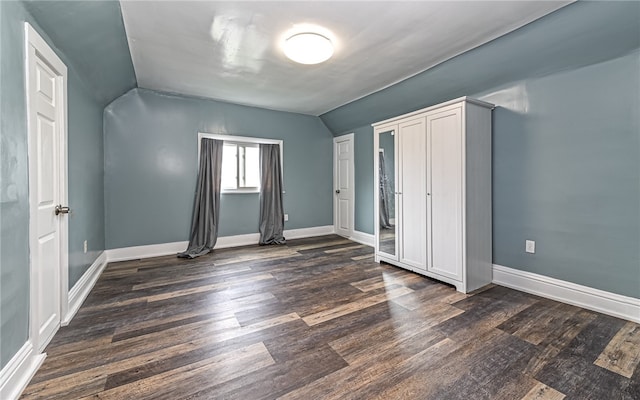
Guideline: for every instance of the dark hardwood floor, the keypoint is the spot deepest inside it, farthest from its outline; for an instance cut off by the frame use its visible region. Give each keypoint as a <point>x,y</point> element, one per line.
<point>319,319</point>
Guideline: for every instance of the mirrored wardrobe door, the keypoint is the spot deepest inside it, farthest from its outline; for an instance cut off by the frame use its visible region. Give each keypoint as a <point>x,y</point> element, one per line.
<point>387,193</point>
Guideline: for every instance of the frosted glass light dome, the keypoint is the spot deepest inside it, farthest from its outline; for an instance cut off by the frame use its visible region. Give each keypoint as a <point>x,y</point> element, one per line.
<point>308,48</point>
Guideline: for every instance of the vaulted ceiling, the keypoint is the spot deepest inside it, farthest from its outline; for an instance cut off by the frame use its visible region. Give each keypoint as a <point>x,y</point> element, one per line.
<point>230,51</point>
<point>92,36</point>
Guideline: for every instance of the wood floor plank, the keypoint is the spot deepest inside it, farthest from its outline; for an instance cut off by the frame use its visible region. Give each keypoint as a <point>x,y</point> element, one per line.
<point>535,333</point>
<point>499,362</point>
<point>224,309</point>
<point>110,273</point>
<point>543,392</point>
<point>207,288</point>
<point>564,334</point>
<point>483,316</point>
<point>320,245</point>
<point>460,373</point>
<point>386,280</point>
<point>370,343</point>
<point>622,354</point>
<point>579,378</point>
<point>343,249</point>
<point>250,256</point>
<point>339,311</point>
<point>309,338</point>
<point>139,350</point>
<point>318,318</point>
<point>105,360</point>
<point>171,280</point>
<point>76,346</point>
<point>381,345</point>
<point>262,325</point>
<point>193,377</point>
<point>181,321</point>
<point>362,257</point>
<point>67,389</point>
<point>115,304</point>
<point>593,339</point>
<point>508,385</point>
<point>387,332</point>
<point>69,338</point>
<point>277,379</point>
<point>353,382</point>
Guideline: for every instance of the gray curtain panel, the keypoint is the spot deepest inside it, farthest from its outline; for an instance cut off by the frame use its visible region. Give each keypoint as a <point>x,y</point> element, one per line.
<point>271,209</point>
<point>384,193</point>
<point>206,206</point>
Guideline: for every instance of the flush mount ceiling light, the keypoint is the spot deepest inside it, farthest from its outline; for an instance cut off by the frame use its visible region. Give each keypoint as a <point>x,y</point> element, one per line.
<point>308,48</point>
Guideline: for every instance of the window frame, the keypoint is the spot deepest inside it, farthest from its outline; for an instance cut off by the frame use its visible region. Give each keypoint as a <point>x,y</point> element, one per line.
<point>242,140</point>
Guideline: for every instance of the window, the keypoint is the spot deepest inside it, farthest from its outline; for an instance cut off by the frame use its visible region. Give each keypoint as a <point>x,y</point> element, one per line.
<point>240,166</point>
<point>240,161</point>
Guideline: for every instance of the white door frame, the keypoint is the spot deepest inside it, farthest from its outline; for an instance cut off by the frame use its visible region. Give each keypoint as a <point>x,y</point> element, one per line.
<point>348,137</point>
<point>35,46</point>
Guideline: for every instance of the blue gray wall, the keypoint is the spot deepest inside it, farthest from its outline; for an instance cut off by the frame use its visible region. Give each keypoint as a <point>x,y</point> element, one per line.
<point>566,141</point>
<point>364,179</point>
<point>151,166</point>
<point>14,195</point>
<point>92,34</point>
<point>566,173</point>
<point>85,179</point>
<point>577,35</point>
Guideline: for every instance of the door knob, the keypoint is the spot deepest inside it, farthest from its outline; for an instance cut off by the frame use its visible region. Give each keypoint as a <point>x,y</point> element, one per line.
<point>62,210</point>
<point>337,190</point>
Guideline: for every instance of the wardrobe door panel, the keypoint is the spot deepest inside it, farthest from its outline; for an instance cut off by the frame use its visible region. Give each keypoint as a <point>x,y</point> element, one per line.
<point>445,170</point>
<point>413,205</point>
<point>386,192</point>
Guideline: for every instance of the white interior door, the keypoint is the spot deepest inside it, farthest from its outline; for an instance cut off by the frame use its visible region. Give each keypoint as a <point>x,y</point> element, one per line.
<point>445,154</point>
<point>412,196</point>
<point>46,87</point>
<point>343,181</point>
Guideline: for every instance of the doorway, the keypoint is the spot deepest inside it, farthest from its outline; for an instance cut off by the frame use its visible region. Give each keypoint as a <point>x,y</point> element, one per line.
<point>46,90</point>
<point>343,182</point>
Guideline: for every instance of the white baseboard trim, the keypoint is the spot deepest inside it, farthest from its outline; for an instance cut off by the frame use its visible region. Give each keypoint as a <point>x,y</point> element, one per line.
<point>164,249</point>
<point>224,242</point>
<point>17,374</point>
<point>363,238</point>
<point>567,292</point>
<point>147,251</point>
<point>82,288</point>
<point>309,232</point>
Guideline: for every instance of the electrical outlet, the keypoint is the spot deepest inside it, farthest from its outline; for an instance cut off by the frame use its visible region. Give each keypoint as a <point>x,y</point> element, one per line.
<point>530,246</point>
<point>85,247</point>
<point>286,217</point>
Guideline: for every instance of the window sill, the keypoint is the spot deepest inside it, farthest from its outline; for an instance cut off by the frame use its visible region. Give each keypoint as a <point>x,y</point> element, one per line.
<point>240,192</point>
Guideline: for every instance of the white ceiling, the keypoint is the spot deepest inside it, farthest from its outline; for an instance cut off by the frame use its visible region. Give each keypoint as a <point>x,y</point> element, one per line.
<point>231,51</point>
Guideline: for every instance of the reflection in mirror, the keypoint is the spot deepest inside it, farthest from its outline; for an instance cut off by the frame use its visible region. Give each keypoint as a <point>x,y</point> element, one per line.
<point>387,218</point>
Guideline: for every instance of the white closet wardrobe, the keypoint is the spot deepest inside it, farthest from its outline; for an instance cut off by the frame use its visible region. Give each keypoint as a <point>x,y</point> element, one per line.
<point>433,192</point>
